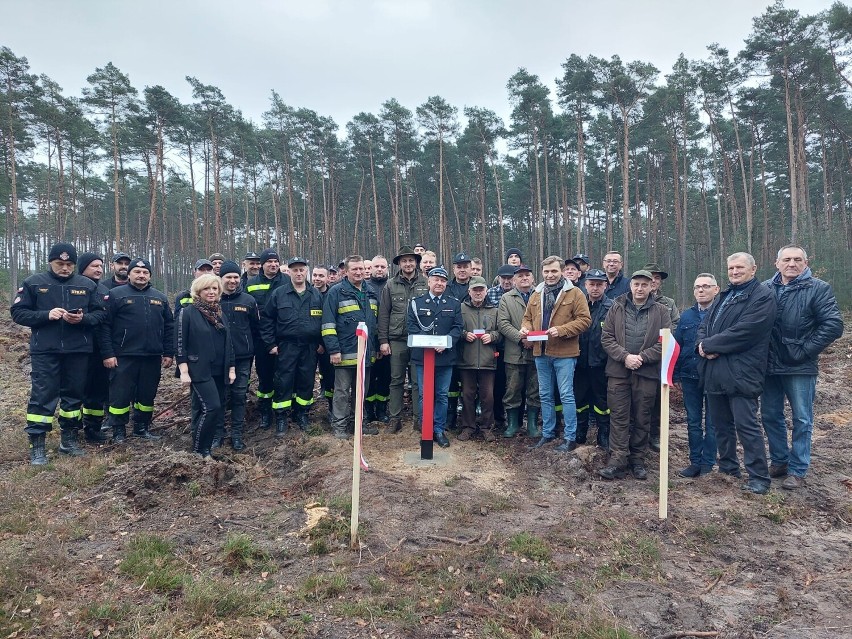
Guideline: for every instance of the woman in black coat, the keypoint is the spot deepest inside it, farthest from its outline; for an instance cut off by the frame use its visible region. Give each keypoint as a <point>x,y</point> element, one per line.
<point>205,357</point>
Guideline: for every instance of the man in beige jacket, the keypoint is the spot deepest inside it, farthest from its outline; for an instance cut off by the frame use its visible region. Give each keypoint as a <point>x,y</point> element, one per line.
<point>559,310</point>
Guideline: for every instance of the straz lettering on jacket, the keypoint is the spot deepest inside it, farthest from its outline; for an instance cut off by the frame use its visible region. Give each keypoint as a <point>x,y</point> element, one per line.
<point>77,291</point>
<point>241,309</point>
<point>156,302</point>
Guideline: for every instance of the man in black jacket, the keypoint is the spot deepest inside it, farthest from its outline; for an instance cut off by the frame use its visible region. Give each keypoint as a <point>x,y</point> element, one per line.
<point>243,320</point>
<point>617,284</point>
<point>808,321</point>
<point>61,309</point>
<point>120,267</point>
<point>136,340</point>
<point>261,287</point>
<point>733,342</point>
<point>96,395</point>
<point>590,378</point>
<point>290,327</point>
<point>436,313</point>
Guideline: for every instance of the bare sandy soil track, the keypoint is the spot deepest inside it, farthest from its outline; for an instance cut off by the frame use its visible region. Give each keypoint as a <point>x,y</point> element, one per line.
<point>145,540</point>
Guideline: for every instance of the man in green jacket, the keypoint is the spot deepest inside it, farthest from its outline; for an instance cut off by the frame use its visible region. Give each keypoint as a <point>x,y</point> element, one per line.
<point>521,376</point>
<point>477,359</point>
<point>396,297</point>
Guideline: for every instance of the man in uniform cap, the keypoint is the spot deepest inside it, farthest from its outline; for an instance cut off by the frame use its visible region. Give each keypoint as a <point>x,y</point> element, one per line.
<point>251,267</point>
<point>96,395</point>
<point>61,309</point>
<point>436,313</point>
<point>582,262</point>
<point>457,288</point>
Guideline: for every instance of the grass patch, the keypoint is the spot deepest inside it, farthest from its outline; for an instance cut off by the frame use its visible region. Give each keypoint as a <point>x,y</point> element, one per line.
<point>634,556</point>
<point>242,553</point>
<point>193,489</point>
<point>323,587</point>
<point>208,597</point>
<point>530,546</point>
<point>84,475</point>
<point>517,583</point>
<point>400,609</point>
<point>105,612</point>
<point>151,561</point>
<point>21,518</point>
<point>710,533</point>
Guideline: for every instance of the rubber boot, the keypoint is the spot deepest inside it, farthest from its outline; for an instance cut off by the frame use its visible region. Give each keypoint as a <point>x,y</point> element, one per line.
<point>280,423</point>
<point>265,406</point>
<point>533,429</point>
<point>140,431</point>
<point>369,411</point>
<point>582,427</point>
<point>237,437</point>
<point>603,432</point>
<point>452,415</point>
<point>68,443</point>
<point>92,432</point>
<point>513,422</point>
<point>382,412</point>
<point>38,454</point>
<point>118,434</point>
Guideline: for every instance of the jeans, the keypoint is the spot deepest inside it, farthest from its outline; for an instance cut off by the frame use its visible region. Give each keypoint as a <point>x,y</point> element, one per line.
<point>557,373</point>
<point>443,376</point>
<point>702,437</point>
<point>799,391</point>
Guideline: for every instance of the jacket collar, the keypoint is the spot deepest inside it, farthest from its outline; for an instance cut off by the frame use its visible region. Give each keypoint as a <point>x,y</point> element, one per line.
<point>801,279</point>
<point>566,286</point>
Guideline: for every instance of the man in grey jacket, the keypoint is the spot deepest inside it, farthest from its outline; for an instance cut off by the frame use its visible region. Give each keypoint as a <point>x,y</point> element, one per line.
<point>808,321</point>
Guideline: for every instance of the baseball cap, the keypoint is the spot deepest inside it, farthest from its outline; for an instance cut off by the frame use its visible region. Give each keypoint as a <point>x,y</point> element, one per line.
<point>640,273</point>
<point>477,282</point>
<point>596,274</point>
<point>203,262</point>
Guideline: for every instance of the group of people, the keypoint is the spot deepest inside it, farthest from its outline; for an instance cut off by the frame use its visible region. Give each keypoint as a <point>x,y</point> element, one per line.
<point>580,347</point>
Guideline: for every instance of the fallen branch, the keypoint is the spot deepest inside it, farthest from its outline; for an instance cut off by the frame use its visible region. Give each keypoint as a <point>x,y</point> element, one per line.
<point>455,540</point>
<point>680,634</point>
<point>168,408</point>
<point>713,583</point>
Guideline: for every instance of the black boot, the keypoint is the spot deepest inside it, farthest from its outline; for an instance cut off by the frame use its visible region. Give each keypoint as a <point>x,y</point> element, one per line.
<point>118,435</point>
<point>302,419</point>
<point>92,432</point>
<point>382,412</point>
<point>533,429</point>
<point>582,428</point>
<point>68,443</point>
<point>265,414</point>
<point>369,411</point>
<point>237,437</point>
<point>38,454</point>
<point>603,432</point>
<point>140,431</point>
<point>218,438</point>
<point>280,423</point>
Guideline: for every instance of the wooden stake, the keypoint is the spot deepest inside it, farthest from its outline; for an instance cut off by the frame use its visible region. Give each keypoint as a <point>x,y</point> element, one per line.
<point>664,437</point>
<point>356,449</point>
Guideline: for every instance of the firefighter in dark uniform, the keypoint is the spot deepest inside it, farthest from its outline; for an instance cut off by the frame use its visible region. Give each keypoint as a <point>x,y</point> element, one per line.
<point>251,267</point>
<point>137,339</point>
<point>244,321</point>
<point>321,280</point>
<point>61,309</point>
<point>436,313</point>
<point>376,405</point>
<point>120,266</point>
<point>96,395</point>
<point>290,328</point>
<point>183,298</point>
<point>457,288</point>
<point>590,376</point>
<point>347,303</point>
<point>260,288</point>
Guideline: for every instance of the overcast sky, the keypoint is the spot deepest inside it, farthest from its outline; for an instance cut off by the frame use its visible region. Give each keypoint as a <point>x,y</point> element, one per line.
<point>341,57</point>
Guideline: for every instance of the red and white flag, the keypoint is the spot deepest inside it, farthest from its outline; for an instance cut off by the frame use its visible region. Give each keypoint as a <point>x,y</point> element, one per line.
<point>671,350</point>
<point>362,333</point>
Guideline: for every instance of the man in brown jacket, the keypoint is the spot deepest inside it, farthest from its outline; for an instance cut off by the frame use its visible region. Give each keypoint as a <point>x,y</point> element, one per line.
<point>558,308</point>
<point>630,337</point>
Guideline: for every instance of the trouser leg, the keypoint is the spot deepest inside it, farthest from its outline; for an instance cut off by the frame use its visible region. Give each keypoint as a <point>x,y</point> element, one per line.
<point>485,386</point>
<point>597,379</point>
<point>210,395</point>
<point>265,365</point>
<point>400,359</point>
<point>96,394</point>
<point>44,393</point>
<point>643,390</point>
<point>122,390</point>
<point>236,393</point>
<point>72,385</point>
<point>619,397</point>
<point>469,387</point>
<point>750,434</point>
<point>499,390</point>
<point>719,408</point>
<point>583,400</point>
<point>303,385</point>
<point>147,383</point>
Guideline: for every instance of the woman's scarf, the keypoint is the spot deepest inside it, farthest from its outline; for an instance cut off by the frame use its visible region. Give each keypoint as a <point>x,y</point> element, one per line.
<point>211,312</point>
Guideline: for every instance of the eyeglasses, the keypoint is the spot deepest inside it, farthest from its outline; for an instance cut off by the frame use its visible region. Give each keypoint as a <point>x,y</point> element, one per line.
<point>612,261</point>
<point>703,287</point>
